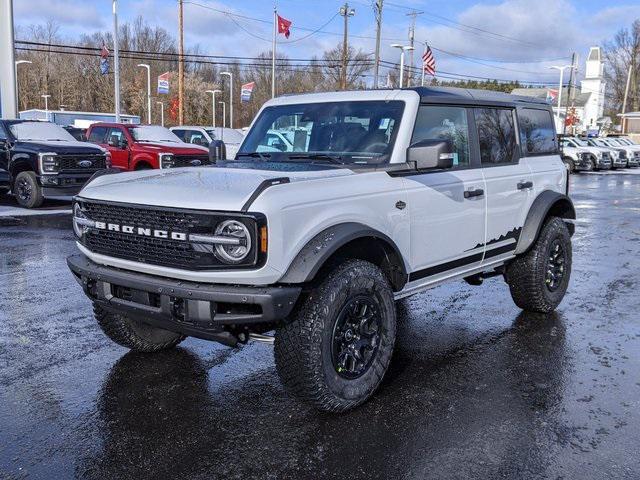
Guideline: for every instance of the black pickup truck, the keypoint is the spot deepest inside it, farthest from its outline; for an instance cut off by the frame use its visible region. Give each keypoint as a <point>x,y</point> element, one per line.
<point>41,159</point>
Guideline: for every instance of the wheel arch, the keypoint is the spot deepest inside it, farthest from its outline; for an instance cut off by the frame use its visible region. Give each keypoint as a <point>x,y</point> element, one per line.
<point>347,240</point>
<point>21,162</point>
<point>547,204</point>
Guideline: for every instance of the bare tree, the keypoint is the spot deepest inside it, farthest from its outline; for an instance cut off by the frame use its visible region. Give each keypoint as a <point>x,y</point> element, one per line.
<point>622,53</point>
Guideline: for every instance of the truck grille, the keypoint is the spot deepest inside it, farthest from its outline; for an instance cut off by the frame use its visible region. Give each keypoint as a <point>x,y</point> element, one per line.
<point>160,251</point>
<point>72,163</point>
<point>191,160</point>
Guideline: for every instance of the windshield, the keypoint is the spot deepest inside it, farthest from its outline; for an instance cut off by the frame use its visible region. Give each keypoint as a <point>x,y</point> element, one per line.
<point>339,132</point>
<point>599,143</point>
<point>579,142</point>
<point>153,133</point>
<point>40,131</point>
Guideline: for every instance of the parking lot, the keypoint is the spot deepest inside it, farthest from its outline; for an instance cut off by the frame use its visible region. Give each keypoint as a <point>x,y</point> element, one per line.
<point>476,389</point>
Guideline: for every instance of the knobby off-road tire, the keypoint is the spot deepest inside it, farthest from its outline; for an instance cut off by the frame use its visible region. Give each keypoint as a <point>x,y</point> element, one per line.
<point>27,191</point>
<point>306,348</point>
<point>538,280</point>
<point>135,335</point>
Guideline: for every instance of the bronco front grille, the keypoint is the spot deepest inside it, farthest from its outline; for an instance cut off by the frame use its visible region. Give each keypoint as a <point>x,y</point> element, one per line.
<point>81,163</point>
<point>181,254</point>
<point>191,160</point>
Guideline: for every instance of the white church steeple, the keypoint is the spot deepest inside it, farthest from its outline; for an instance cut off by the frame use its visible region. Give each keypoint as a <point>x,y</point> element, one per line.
<point>594,85</point>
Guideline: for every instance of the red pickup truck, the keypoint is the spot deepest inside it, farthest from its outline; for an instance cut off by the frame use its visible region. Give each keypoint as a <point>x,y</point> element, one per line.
<point>141,147</point>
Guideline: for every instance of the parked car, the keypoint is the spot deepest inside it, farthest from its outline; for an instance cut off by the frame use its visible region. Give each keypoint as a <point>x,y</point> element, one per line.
<point>144,147</point>
<point>204,136</point>
<point>395,192</point>
<point>631,154</point>
<point>576,159</point>
<point>39,160</point>
<point>618,157</point>
<point>600,157</point>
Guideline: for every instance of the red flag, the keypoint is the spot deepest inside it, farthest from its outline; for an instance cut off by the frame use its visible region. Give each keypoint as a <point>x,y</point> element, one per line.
<point>283,26</point>
<point>104,53</point>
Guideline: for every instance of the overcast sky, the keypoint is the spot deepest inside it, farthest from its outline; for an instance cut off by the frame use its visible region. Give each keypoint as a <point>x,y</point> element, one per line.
<point>517,33</point>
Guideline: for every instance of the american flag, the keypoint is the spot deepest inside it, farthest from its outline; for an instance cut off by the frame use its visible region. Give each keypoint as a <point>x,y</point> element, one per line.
<point>428,61</point>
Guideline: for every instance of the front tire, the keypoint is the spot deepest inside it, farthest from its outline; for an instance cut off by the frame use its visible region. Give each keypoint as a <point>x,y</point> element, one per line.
<point>336,349</point>
<point>27,191</point>
<point>538,279</point>
<point>133,334</point>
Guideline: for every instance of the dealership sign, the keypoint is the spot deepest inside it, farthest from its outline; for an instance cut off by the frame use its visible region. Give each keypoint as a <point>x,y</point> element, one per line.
<point>163,83</point>
<point>245,91</point>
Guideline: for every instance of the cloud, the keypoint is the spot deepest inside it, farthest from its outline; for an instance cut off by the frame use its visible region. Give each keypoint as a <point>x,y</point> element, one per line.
<point>67,13</point>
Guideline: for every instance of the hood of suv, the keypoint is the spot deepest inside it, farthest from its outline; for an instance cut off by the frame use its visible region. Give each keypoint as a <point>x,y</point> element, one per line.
<point>61,148</point>
<point>200,188</point>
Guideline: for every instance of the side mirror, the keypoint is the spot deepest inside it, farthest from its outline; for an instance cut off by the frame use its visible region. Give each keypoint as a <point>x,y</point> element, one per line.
<point>430,154</point>
<point>217,151</point>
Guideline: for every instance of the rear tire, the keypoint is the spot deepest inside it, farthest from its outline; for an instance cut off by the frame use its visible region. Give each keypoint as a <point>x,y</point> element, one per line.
<point>133,334</point>
<point>27,191</point>
<point>538,279</point>
<point>336,349</point>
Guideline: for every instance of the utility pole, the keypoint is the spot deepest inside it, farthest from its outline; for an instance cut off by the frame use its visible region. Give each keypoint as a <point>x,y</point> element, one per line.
<point>412,33</point>
<point>571,92</point>
<point>377,7</point>
<point>8,96</point>
<point>116,61</point>
<point>180,63</point>
<point>626,95</point>
<point>148,68</point>
<point>346,12</point>
<point>161,112</point>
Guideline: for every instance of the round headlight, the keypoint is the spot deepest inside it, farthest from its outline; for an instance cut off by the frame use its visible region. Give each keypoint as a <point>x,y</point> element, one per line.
<point>234,230</point>
<point>78,229</point>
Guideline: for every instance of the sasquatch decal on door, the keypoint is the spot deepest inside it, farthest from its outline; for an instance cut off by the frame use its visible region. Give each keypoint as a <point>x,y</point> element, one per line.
<point>513,234</point>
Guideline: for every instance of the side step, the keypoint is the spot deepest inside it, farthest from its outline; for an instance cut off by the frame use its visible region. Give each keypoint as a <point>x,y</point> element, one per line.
<point>478,278</point>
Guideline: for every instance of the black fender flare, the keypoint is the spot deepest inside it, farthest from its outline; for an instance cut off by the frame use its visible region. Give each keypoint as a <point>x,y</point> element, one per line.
<point>320,248</point>
<point>544,204</point>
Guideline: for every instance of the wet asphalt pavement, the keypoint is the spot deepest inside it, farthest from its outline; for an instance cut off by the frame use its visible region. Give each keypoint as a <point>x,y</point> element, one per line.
<point>477,389</point>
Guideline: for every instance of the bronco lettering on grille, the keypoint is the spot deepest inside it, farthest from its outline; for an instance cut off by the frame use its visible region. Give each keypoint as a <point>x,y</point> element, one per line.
<point>145,232</point>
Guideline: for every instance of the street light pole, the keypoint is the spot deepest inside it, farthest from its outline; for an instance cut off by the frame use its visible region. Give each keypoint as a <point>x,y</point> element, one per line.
<point>213,105</point>
<point>378,10</point>
<point>20,62</point>
<point>561,68</point>
<point>230,75</point>
<point>161,112</point>
<point>46,106</point>
<point>224,121</point>
<point>346,12</point>
<point>403,48</point>
<point>144,65</point>
<point>116,60</point>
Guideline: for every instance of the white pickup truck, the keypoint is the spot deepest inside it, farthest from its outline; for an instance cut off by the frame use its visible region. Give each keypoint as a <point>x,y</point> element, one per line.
<point>380,195</point>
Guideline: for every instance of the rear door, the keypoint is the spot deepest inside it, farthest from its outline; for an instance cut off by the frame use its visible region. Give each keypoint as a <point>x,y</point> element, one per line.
<point>447,207</point>
<point>509,187</point>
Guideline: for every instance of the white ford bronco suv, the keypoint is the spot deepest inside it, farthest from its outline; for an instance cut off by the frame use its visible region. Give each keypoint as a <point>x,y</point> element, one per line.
<point>380,195</point>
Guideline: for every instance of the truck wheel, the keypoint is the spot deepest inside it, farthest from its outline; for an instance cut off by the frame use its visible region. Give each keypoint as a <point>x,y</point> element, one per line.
<point>568,163</point>
<point>133,334</point>
<point>336,350</point>
<point>539,278</point>
<point>27,191</point>
<point>594,166</point>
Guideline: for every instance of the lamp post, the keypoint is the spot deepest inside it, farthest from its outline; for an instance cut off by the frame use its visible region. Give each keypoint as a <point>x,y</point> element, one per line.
<point>144,65</point>
<point>116,61</point>
<point>561,68</point>
<point>46,106</point>
<point>230,75</point>
<point>161,112</point>
<point>19,62</point>
<point>403,48</point>
<point>213,105</point>
<point>224,122</point>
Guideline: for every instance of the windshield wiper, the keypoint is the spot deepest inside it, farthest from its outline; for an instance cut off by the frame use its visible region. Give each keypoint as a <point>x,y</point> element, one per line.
<point>262,156</point>
<point>318,156</point>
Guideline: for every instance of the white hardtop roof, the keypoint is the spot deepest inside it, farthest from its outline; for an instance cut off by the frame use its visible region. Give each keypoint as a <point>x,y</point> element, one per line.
<point>356,95</point>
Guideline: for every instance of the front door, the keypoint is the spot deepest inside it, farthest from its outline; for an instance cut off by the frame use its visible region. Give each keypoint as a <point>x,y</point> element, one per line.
<point>509,186</point>
<point>117,144</point>
<point>447,208</point>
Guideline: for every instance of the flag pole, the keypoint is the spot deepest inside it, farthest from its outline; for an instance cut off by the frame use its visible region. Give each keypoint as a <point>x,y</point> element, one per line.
<point>273,52</point>
<point>425,51</point>
<point>116,61</point>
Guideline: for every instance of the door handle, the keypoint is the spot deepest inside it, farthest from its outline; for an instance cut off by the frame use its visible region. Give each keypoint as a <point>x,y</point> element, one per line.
<point>524,185</point>
<point>478,192</point>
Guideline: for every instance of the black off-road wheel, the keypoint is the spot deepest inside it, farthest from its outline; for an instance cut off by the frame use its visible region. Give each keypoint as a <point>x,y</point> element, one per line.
<point>27,191</point>
<point>538,279</point>
<point>337,346</point>
<point>133,334</point>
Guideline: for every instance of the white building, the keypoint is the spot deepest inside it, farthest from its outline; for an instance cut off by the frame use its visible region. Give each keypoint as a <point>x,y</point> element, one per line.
<point>588,101</point>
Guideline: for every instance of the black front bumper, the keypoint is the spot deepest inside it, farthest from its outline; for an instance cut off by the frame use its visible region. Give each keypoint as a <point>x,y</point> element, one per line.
<point>63,184</point>
<point>194,309</point>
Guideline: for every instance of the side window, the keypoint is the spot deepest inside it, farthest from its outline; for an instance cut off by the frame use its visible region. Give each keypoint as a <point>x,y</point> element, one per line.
<point>537,131</point>
<point>97,135</point>
<point>180,134</point>
<point>497,135</point>
<point>115,136</point>
<point>444,123</point>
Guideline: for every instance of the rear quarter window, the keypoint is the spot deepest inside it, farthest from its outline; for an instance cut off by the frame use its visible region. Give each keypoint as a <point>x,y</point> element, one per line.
<point>537,132</point>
